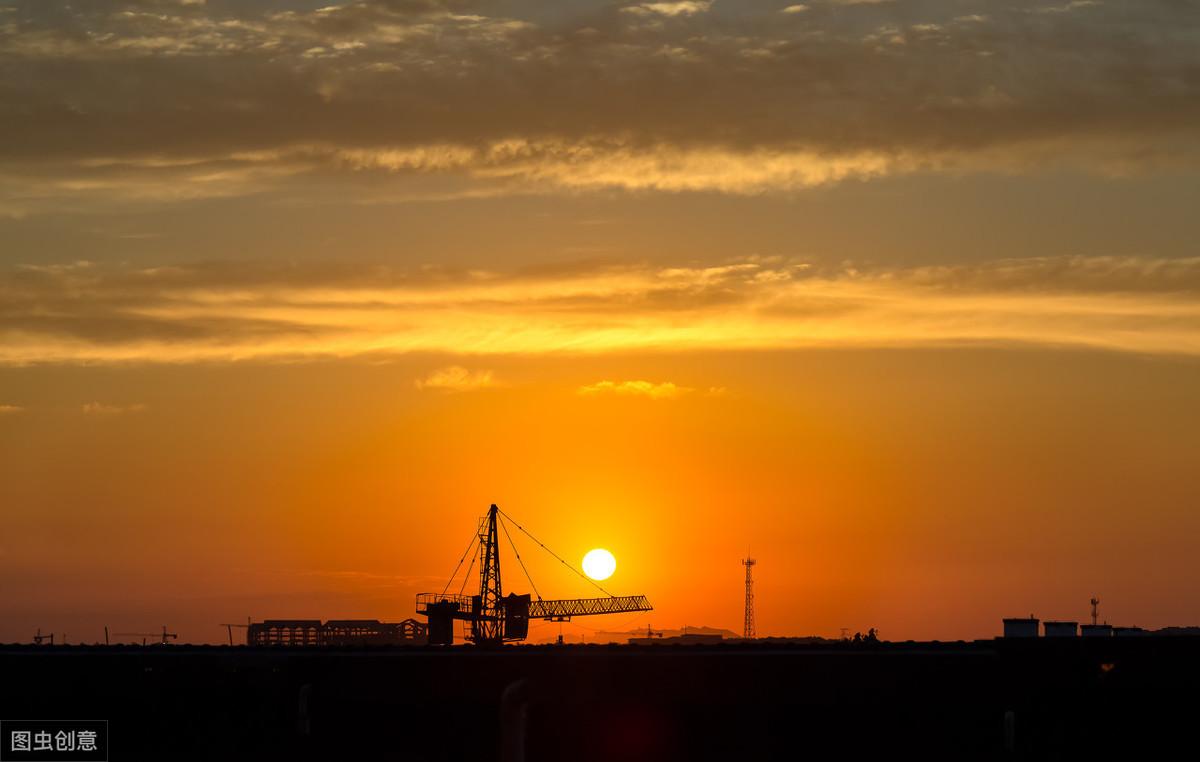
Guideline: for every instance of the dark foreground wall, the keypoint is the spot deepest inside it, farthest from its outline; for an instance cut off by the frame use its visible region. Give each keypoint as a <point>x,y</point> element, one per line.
<point>1069,699</point>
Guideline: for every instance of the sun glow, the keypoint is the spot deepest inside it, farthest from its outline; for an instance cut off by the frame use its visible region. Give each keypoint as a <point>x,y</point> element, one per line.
<point>599,564</point>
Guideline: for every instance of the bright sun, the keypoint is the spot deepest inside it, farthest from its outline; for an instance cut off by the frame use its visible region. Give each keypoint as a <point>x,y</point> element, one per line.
<point>599,564</point>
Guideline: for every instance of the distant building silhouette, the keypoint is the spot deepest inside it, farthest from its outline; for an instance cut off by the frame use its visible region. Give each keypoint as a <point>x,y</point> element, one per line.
<point>1096,630</point>
<point>1027,627</point>
<point>1128,632</point>
<point>686,639</point>
<point>1024,627</point>
<point>336,632</point>
<point>1061,629</point>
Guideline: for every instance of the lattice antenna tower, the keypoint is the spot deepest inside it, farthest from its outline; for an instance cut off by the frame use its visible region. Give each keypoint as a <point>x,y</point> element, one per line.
<point>748,626</point>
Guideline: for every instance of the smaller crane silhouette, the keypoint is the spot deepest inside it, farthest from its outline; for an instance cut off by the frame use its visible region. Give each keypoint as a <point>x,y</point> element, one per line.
<point>143,635</point>
<point>230,627</point>
<point>40,638</point>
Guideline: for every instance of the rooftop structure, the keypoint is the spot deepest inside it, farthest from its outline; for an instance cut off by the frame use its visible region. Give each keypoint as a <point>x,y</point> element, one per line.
<point>1061,629</point>
<point>1025,627</point>
<point>1096,630</point>
<point>1128,632</point>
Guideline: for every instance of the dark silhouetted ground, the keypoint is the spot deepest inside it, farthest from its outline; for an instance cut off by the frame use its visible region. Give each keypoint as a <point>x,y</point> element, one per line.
<point>1044,699</point>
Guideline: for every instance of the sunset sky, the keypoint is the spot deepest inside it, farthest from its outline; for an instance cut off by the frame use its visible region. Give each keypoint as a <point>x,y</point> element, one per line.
<point>901,295</point>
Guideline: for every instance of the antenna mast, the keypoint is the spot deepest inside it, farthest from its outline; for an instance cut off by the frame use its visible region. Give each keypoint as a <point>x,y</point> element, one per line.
<point>1095,609</point>
<point>748,626</point>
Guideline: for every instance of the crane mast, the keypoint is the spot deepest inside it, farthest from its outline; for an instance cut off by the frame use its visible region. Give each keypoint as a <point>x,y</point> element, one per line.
<point>486,626</point>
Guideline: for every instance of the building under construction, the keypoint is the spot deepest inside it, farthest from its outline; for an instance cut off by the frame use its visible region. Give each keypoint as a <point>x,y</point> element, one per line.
<point>336,632</point>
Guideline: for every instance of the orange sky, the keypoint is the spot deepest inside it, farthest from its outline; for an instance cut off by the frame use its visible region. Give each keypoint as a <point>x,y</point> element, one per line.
<point>927,493</point>
<point>903,296</point>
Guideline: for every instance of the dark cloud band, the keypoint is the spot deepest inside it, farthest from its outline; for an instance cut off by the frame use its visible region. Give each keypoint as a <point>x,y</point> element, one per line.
<point>913,81</point>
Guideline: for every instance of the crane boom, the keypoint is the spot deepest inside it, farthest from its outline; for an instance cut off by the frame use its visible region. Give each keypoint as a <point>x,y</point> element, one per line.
<point>571,607</point>
<point>541,609</point>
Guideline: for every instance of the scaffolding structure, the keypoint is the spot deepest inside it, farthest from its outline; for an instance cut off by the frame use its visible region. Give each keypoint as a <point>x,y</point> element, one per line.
<point>336,632</point>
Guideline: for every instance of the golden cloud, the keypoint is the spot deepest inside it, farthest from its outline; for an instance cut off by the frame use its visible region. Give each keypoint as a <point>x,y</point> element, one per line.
<point>93,314</point>
<point>676,8</point>
<point>456,379</point>
<point>664,390</point>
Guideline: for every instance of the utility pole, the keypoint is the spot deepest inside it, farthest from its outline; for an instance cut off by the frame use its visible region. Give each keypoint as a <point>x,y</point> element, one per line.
<point>748,626</point>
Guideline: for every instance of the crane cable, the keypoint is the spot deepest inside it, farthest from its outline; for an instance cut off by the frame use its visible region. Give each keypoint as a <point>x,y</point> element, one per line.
<point>474,542</point>
<point>517,553</point>
<point>466,577</point>
<point>551,552</point>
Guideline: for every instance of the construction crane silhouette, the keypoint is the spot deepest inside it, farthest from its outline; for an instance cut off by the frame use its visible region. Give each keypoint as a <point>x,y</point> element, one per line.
<point>164,635</point>
<point>40,638</point>
<point>230,627</point>
<point>494,617</point>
